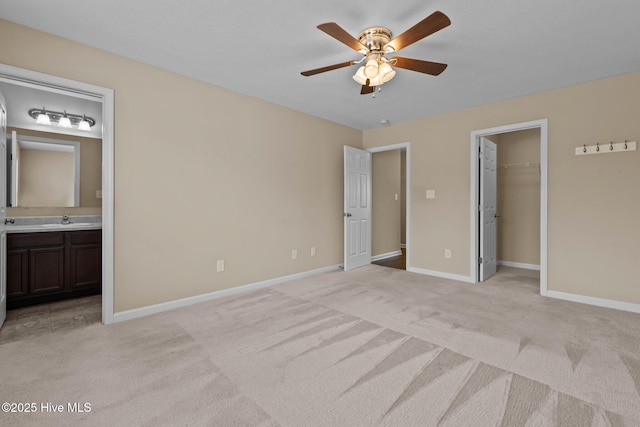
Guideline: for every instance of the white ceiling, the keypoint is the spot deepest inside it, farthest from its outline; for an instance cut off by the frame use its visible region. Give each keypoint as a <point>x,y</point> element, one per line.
<point>496,49</point>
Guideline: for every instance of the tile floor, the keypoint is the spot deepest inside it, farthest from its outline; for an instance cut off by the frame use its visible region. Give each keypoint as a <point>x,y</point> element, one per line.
<point>38,320</point>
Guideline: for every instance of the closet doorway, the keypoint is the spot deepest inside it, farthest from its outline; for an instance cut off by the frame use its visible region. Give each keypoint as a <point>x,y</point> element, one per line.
<point>520,227</point>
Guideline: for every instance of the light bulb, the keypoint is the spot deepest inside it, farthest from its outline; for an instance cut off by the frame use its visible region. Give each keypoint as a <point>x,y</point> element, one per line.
<point>84,124</point>
<point>43,118</point>
<point>371,67</point>
<point>376,81</point>
<point>64,121</point>
<point>386,72</point>
<point>360,77</point>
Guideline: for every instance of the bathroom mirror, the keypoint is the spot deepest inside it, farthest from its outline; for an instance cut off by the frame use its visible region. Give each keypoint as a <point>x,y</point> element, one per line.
<point>43,172</point>
<point>46,171</point>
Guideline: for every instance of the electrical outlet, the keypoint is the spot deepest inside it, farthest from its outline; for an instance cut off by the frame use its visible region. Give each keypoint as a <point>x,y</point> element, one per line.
<point>220,265</point>
<point>447,253</point>
<point>313,251</point>
<point>98,194</point>
<point>294,254</point>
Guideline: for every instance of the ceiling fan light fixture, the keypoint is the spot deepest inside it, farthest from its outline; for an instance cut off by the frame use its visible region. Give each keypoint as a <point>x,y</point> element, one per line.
<point>374,43</point>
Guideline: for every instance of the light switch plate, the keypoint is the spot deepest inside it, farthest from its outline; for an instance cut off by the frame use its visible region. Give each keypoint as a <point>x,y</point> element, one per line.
<point>220,265</point>
<point>431,194</point>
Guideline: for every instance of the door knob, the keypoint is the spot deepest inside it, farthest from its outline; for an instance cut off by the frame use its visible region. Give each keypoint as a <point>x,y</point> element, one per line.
<point>346,214</point>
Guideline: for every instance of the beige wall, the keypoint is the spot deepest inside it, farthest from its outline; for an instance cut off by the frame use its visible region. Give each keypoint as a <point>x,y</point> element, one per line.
<point>519,197</point>
<point>385,215</point>
<point>589,252</point>
<point>226,177</point>
<point>90,176</point>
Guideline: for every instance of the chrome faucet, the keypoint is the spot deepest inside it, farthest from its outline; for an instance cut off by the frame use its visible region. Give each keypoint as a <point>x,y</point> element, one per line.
<point>65,219</point>
<point>9,221</point>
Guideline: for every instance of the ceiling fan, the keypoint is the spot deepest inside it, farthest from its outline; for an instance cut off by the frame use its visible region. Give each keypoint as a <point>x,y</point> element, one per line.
<point>375,43</point>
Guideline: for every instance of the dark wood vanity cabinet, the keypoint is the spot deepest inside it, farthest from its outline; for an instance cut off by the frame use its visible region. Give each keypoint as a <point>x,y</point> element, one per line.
<point>43,267</point>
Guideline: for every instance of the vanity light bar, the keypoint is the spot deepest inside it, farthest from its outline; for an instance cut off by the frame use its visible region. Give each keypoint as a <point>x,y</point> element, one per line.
<point>55,116</point>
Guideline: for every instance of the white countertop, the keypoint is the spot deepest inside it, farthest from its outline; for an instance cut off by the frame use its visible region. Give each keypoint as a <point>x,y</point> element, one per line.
<point>43,224</point>
<point>43,228</point>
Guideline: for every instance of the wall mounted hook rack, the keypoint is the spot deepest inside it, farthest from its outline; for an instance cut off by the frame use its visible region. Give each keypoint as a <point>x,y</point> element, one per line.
<point>610,147</point>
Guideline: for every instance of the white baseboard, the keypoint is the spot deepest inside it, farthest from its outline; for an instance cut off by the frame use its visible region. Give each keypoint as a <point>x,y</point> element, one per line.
<point>600,302</point>
<point>158,308</point>
<point>520,265</point>
<point>385,256</point>
<point>403,245</point>
<point>441,274</point>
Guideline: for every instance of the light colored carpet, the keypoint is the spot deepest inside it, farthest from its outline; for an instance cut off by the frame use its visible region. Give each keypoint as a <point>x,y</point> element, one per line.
<point>375,346</point>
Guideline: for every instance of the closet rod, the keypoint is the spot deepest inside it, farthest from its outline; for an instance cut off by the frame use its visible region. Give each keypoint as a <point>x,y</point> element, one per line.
<point>519,165</point>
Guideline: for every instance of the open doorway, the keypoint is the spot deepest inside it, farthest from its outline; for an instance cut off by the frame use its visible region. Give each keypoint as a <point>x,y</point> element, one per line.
<point>518,201</point>
<point>390,223</point>
<point>523,163</point>
<point>63,87</point>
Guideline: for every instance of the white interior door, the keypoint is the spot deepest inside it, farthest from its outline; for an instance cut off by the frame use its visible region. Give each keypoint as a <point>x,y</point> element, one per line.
<point>3,210</point>
<point>487,208</point>
<point>357,208</point>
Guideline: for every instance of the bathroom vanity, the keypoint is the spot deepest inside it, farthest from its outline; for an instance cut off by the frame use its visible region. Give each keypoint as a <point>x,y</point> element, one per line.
<point>53,261</point>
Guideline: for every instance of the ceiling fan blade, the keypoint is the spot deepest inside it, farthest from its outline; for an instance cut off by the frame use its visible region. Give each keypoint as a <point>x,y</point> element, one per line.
<point>427,67</point>
<point>325,69</point>
<point>429,25</point>
<point>366,89</point>
<point>338,33</point>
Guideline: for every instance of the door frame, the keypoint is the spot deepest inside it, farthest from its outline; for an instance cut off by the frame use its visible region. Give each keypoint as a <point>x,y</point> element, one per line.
<point>60,85</point>
<point>543,125</point>
<point>407,196</point>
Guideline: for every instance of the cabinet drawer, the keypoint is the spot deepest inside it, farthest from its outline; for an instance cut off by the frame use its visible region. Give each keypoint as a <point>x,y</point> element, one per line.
<point>27,240</point>
<point>86,236</point>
